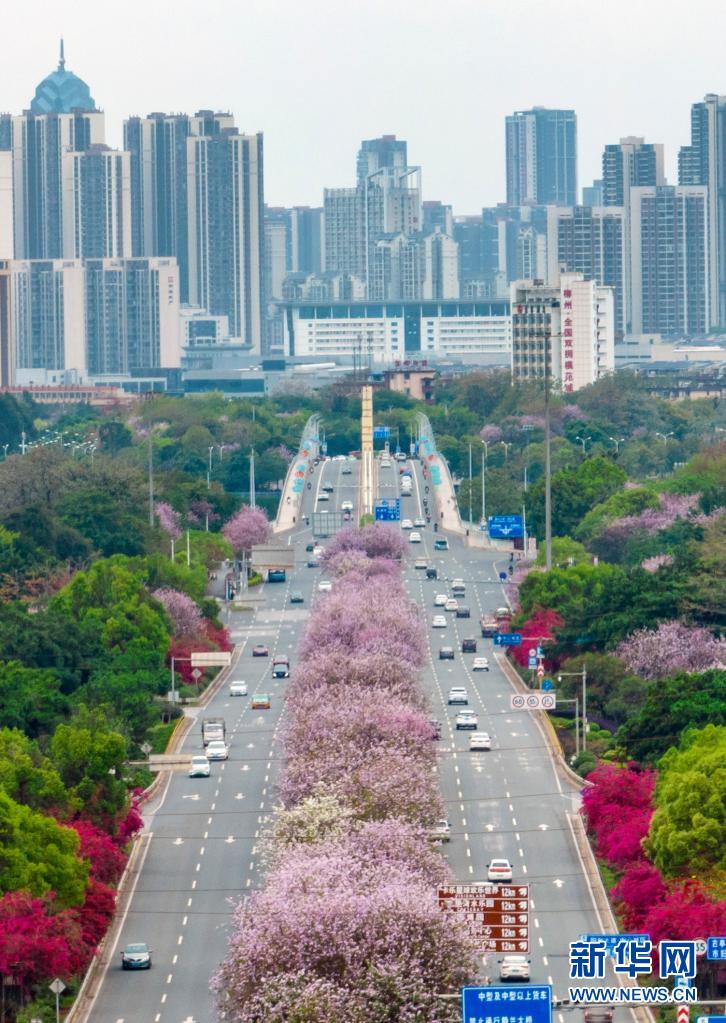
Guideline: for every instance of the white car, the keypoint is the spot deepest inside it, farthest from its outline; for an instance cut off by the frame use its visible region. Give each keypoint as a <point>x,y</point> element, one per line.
<point>325,586</point>
<point>438,622</point>
<point>419,523</point>
<point>414,538</point>
<point>480,664</point>
<point>457,694</point>
<point>406,524</point>
<point>440,831</point>
<point>217,749</point>
<point>480,741</point>
<point>514,968</point>
<point>467,719</point>
<point>499,870</point>
<point>421,563</point>
<point>451,604</point>
<point>440,600</point>
<point>238,689</point>
<point>322,496</point>
<point>199,767</point>
<point>346,506</point>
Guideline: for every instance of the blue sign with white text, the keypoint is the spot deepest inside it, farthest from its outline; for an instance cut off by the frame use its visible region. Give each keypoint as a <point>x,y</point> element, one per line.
<point>716,948</point>
<point>611,940</point>
<point>498,1002</point>
<point>381,432</point>
<point>507,639</point>
<point>506,527</point>
<point>387,510</point>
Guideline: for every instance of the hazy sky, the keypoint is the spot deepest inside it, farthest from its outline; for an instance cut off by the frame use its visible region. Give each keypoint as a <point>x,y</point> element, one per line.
<point>317,76</point>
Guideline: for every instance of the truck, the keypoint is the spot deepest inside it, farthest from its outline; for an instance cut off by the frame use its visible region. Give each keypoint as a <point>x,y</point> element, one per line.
<point>488,625</point>
<point>213,728</point>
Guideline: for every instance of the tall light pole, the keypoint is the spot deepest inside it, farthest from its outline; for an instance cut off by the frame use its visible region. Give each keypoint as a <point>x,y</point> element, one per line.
<point>506,445</point>
<point>583,675</point>
<point>151,483</point>
<point>471,516</point>
<point>252,478</point>
<point>617,441</point>
<point>664,436</point>
<point>548,456</point>
<point>209,467</point>
<point>583,441</point>
<point>484,460</point>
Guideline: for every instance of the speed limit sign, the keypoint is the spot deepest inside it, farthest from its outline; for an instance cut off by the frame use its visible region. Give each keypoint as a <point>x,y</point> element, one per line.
<point>517,702</point>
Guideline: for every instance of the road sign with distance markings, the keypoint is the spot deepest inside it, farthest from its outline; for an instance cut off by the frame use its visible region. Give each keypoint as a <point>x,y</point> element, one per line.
<point>497,915</point>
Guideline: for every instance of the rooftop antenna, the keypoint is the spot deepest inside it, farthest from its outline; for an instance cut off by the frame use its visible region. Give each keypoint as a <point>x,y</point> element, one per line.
<point>62,61</point>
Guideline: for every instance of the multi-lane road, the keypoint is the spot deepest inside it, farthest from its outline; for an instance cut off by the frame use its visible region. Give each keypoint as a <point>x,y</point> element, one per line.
<point>201,839</point>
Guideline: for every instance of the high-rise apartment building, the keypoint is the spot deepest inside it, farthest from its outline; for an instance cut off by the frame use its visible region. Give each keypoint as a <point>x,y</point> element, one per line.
<point>592,194</point>
<point>440,266</point>
<point>703,162</point>
<point>225,195</point>
<point>7,360</point>
<point>437,216</point>
<point>563,330</point>
<point>96,192</point>
<point>541,147</point>
<point>47,314</point>
<point>158,148</point>
<point>386,151</point>
<point>345,239</point>
<point>669,254</point>
<point>307,239</point>
<point>6,132</point>
<point>478,240</point>
<point>591,241</point>
<point>632,162</point>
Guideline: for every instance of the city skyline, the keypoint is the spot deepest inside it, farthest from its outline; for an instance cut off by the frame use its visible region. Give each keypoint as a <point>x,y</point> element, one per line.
<point>462,156</point>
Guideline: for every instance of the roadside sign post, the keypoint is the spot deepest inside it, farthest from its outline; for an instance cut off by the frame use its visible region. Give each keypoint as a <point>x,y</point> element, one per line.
<point>497,915</point>
<point>507,639</point>
<point>499,1001</point>
<point>533,701</point>
<point>506,527</point>
<point>57,987</point>
<point>387,510</point>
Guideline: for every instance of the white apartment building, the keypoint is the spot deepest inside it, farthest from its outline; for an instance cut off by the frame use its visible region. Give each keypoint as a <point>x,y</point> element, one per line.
<point>570,323</point>
<point>373,332</point>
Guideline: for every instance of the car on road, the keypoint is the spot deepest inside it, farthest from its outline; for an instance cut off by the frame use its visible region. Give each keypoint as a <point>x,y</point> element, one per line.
<point>237,688</point>
<point>463,612</point>
<point>451,604</point>
<point>441,544</point>
<point>296,597</point>
<point>217,749</point>
<point>480,664</point>
<point>328,488</point>
<point>325,586</point>
<point>136,956</point>
<point>318,550</point>
<point>309,547</point>
<point>503,614</point>
<point>419,523</point>
<point>346,470</point>
<point>432,573</point>
<point>312,563</point>
<point>479,741</point>
<point>446,653</point>
<point>414,537</point>
<point>467,719</point>
<point>457,694</point>
<point>406,524</point>
<point>440,831</point>
<point>438,622</point>
<point>346,506</point>
<point>499,870</point>
<point>199,767</point>
<point>260,701</point>
<point>420,563</point>
<point>280,667</point>
<point>260,650</point>
<point>514,968</point>
<point>440,600</point>
<point>458,587</point>
<point>468,646</point>
<point>323,496</point>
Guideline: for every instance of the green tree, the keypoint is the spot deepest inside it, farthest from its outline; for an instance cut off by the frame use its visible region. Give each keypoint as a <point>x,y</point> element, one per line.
<point>703,598</point>
<point>38,855</point>
<point>565,551</point>
<point>688,830</point>
<point>673,706</point>
<point>90,760</point>
<point>125,697</point>
<point>574,493</point>
<point>28,777</point>
<point>30,699</point>
<point>114,436</point>
<point>618,505</point>
<point>113,524</point>
<point>613,693</point>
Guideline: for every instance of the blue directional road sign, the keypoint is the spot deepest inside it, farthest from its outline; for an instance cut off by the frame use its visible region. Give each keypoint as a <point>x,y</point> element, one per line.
<point>611,940</point>
<point>507,638</point>
<point>532,662</point>
<point>547,685</point>
<point>716,948</point>
<point>497,1001</point>
<point>387,510</point>
<point>505,527</point>
<point>381,432</point>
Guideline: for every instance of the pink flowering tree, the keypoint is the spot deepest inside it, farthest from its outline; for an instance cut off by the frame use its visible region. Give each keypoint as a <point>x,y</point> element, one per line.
<point>375,541</point>
<point>332,672</point>
<point>618,809</point>
<point>249,526</point>
<point>672,647</point>
<point>491,434</point>
<point>184,614</point>
<point>169,520</point>
<point>656,562</point>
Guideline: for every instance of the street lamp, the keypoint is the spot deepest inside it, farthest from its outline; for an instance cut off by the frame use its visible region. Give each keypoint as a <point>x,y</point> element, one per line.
<point>617,441</point>
<point>583,441</point>
<point>484,460</point>
<point>209,469</point>
<point>5,450</point>
<point>665,436</point>
<point>583,675</point>
<point>507,445</point>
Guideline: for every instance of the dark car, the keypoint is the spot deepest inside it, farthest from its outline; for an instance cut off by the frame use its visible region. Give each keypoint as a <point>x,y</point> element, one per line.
<point>468,646</point>
<point>463,612</point>
<point>296,597</point>
<point>432,573</point>
<point>281,667</point>
<point>309,547</point>
<point>328,488</point>
<point>446,653</point>
<point>136,957</point>
<point>312,563</point>
<point>260,650</point>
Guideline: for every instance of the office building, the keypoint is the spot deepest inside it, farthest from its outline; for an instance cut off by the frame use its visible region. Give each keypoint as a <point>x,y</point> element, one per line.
<point>563,330</point>
<point>345,247</point>
<point>478,240</point>
<point>225,194</point>
<point>197,327</point>
<point>591,241</point>
<point>440,266</point>
<point>157,145</point>
<point>374,154</point>
<point>703,162</point>
<point>47,315</point>
<point>669,257</point>
<point>7,360</point>
<point>96,191</point>
<point>541,148</point>
<point>131,314</point>
<point>370,333</point>
<point>633,162</point>
<point>307,239</point>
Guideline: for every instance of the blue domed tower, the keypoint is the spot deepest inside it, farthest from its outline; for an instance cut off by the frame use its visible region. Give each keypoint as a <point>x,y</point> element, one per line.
<point>61,92</point>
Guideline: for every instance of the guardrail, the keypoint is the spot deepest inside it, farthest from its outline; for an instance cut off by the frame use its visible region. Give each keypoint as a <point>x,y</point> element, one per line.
<point>288,510</point>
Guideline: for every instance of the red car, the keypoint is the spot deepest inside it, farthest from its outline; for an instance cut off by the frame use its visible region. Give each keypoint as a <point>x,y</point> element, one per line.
<point>260,650</point>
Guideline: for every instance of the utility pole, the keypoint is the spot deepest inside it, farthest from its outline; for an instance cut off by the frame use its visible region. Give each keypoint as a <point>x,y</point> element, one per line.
<point>151,483</point>
<point>209,467</point>
<point>471,519</point>
<point>484,484</point>
<point>252,478</point>
<point>189,553</point>
<point>548,460</point>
